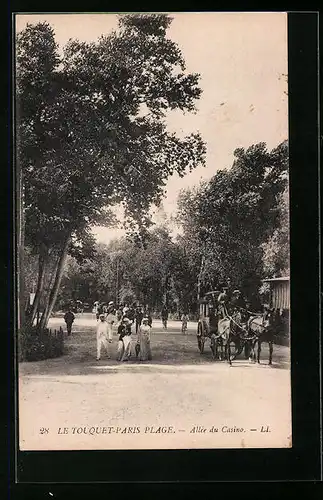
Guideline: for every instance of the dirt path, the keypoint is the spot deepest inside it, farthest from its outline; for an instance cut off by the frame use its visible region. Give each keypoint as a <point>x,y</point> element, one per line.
<point>165,403</point>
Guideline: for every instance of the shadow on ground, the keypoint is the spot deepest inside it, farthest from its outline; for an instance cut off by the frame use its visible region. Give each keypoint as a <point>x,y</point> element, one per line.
<point>171,352</point>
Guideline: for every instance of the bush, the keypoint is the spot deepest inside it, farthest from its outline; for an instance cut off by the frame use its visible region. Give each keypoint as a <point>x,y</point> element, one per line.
<point>35,344</point>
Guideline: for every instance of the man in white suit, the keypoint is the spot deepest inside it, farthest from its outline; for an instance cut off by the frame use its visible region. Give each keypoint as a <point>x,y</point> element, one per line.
<point>103,336</point>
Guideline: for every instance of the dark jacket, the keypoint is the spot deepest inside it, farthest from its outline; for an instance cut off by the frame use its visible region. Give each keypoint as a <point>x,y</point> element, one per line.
<point>69,317</point>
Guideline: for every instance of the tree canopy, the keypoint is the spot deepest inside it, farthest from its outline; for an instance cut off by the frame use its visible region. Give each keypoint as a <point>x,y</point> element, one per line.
<point>91,128</point>
<point>231,217</point>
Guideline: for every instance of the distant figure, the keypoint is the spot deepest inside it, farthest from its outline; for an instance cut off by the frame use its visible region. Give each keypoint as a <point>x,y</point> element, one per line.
<point>99,310</point>
<point>144,341</point>
<point>130,313</point>
<point>125,309</point>
<point>103,336</point>
<point>138,317</point>
<point>69,319</point>
<point>164,316</point>
<point>184,319</point>
<point>110,319</point>
<point>148,315</point>
<point>110,307</point>
<point>119,315</point>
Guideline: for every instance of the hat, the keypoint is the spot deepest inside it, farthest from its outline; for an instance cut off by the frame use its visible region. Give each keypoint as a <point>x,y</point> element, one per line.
<point>145,318</point>
<point>102,316</point>
<point>126,321</point>
<point>111,303</point>
<point>236,291</point>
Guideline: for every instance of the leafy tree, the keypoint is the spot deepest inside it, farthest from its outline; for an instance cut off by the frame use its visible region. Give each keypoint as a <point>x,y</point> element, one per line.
<point>276,248</point>
<point>227,219</point>
<point>84,140</point>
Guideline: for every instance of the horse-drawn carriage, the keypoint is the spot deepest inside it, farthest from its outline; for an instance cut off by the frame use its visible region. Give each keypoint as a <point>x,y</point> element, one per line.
<point>234,331</point>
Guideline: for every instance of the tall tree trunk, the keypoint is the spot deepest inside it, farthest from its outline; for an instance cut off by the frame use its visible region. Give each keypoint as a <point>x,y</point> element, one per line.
<point>42,259</point>
<point>58,277</point>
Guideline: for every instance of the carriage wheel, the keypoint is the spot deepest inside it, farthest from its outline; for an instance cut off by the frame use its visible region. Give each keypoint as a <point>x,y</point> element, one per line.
<point>200,339</point>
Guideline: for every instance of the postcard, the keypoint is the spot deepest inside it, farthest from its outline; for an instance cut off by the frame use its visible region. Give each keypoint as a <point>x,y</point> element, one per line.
<point>153,231</point>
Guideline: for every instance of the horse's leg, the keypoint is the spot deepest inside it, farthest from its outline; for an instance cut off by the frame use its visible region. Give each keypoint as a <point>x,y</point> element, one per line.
<point>251,351</point>
<point>229,352</point>
<point>259,351</point>
<point>271,348</point>
<point>212,345</point>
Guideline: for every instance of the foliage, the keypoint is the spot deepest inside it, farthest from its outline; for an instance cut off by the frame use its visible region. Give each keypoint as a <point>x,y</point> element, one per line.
<point>229,218</point>
<point>35,344</point>
<point>91,132</point>
<point>276,248</point>
<point>153,271</point>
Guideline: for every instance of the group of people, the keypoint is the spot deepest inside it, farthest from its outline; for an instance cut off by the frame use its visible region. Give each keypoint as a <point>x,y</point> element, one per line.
<point>124,318</point>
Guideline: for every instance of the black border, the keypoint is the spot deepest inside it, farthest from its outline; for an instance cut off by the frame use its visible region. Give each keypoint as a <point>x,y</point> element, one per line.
<point>302,462</point>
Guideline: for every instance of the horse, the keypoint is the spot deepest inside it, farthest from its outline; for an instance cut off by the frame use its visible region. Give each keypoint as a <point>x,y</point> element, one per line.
<point>261,329</point>
<point>234,330</point>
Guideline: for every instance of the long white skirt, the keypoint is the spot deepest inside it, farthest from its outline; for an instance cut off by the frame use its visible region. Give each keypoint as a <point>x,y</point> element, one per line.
<point>124,348</point>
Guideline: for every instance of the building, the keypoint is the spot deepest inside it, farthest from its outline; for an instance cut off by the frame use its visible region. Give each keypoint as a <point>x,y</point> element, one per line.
<point>279,292</point>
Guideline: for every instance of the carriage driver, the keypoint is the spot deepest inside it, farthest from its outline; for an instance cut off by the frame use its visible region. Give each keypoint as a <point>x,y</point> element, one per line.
<point>238,303</point>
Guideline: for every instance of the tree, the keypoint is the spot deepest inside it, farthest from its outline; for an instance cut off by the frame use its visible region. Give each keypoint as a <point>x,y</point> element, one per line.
<point>84,140</point>
<point>227,219</point>
<point>276,248</point>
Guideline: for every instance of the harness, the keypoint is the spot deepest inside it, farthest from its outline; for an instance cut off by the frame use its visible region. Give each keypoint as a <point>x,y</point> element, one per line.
<point>261,326</point>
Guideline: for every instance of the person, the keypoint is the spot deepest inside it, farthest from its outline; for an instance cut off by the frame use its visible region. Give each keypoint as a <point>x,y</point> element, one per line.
<point>164,316</point>
<point>223,299</point>
<point>69,319</point>
<point>130,313</point>
<point>119,314</point>
<point>237,302</point>
<point>111,318</point>
<point>99,310</point>
<point>125,309</point>
<point>144,341</point>
<point>138,317</point>
<point>103,336</point>
<point>148,315</point>
<point>184,319</point>
<point>110,307</point>
<point>124,343</point>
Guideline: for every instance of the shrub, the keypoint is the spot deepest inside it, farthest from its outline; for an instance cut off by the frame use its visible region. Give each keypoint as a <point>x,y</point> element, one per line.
<point>35,344</point>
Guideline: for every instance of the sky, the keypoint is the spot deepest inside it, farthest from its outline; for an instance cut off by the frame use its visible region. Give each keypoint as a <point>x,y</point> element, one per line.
<point>241,58</point>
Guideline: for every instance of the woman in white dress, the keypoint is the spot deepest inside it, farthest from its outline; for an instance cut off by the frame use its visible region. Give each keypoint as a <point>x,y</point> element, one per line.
<point>144,340</point>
